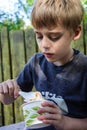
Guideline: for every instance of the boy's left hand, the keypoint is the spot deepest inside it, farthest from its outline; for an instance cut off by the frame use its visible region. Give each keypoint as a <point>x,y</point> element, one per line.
<point>53,115</point>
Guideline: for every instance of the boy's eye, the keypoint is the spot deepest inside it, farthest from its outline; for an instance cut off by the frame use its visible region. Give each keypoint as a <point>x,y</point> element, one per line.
<point>55,38</point>
<point>39,37</point>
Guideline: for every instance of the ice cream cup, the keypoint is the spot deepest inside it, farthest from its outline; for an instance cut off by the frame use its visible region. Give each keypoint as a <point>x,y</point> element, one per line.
<point>30,114</point>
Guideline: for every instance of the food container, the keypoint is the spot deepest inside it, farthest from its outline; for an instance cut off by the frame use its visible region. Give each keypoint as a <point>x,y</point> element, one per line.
<point>30,114</point>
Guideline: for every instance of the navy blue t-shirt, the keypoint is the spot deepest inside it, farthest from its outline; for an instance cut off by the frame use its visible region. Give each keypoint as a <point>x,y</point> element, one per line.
<point>66,85</point>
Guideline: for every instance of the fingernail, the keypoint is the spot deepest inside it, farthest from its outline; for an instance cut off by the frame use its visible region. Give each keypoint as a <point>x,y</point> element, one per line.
<point>15,96</point>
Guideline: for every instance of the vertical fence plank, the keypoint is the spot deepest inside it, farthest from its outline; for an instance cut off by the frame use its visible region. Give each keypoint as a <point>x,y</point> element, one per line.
<point>18,61</point>
<point>11,72</point>
<point>7,71</point>
<point>30,43</point>
<point>1,79</point>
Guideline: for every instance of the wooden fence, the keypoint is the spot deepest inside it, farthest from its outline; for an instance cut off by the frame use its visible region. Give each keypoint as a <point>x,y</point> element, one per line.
<point>16,47</point>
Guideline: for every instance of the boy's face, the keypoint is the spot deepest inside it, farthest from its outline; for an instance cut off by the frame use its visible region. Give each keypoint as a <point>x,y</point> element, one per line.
<point>54,43</point>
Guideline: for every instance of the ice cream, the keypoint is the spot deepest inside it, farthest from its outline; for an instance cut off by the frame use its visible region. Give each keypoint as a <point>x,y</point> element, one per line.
<point>36,96</point>
<point>31,96</point>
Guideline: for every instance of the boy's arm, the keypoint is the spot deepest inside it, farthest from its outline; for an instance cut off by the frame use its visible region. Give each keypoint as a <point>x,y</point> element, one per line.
<point>75,124</point>
<point>8,91</point>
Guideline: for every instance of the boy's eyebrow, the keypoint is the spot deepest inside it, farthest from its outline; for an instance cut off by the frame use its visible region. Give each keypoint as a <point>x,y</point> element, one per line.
<point>52,33</point>
<point>55,33</point>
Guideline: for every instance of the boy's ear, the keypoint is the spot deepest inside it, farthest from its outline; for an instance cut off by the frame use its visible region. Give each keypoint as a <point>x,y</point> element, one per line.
<point>77,33</point>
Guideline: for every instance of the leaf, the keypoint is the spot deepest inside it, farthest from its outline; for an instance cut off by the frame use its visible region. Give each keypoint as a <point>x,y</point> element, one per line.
<point>27,112</point>
<point>30,2</point>
<point>35,108</point>
<point>34,116</point>
<point>25,116</point>
<point>29,122</point>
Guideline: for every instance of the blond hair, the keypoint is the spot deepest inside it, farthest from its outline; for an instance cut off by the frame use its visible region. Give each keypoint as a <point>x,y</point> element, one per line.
<point>50,13</point>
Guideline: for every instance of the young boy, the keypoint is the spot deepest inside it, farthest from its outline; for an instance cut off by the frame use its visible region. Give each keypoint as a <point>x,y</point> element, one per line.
<point>59,72</point>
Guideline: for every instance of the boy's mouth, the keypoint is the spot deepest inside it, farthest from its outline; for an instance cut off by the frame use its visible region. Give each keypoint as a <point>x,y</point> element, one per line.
<point>49,55</point>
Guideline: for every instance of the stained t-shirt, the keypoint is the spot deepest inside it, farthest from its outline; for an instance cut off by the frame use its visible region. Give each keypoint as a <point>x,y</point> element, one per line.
<point>66,85</point>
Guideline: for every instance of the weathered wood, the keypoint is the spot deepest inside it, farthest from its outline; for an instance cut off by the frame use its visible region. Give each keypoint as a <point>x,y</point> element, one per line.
<point>1,79</point>
<point>16,47</point>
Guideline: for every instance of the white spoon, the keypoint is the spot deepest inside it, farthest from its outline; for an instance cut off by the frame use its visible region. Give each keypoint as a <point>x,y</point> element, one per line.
<point>26,95</point>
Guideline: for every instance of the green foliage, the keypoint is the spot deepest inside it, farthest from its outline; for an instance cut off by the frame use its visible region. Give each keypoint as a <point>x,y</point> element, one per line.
<point>12,25</point>
<point>17,23</point>
<point>84,2</point>
<point>85,17</point>
<point>14,21</point>
<point>30,2</point>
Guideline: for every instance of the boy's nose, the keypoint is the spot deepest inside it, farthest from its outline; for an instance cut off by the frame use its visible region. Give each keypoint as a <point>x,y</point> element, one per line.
<point>45,43</point>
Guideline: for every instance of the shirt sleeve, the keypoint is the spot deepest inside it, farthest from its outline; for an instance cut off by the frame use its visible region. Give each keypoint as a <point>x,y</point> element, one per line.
<point>25,78</point>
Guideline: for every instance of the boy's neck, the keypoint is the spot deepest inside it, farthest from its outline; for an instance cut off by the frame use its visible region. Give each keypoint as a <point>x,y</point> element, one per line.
<point>67,59</point>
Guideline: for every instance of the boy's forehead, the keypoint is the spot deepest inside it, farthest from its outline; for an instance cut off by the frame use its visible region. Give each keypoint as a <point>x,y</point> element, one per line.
<point>51,30</point>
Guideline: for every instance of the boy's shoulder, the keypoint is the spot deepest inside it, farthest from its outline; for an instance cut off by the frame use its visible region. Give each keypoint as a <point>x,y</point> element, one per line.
<point>80,60</point>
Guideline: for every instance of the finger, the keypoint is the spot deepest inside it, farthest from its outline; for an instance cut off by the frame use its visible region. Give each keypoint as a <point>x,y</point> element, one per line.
<point>1,89</point>
<point>48,116</point>
<point>50,110</point>
<point>4,88</point>
<point>55,121</point>
<point>49,103</point>
<point>52,116</point>
<point>47,110</point>
<point>16,89</point>
<point>52,122</point>
<point>10,86</point>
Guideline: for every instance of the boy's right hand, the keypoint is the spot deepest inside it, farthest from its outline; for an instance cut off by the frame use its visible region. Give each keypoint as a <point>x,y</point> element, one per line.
<point>10,87</point>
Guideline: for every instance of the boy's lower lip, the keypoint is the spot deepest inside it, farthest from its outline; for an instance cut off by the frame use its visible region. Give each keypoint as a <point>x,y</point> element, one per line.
<point>48,55</point>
